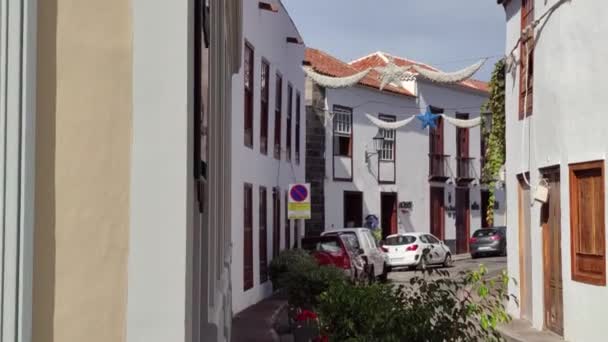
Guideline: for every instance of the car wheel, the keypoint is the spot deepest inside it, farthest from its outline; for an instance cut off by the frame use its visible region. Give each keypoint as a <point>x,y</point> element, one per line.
<point>448,260</point>
<point>474,255</point>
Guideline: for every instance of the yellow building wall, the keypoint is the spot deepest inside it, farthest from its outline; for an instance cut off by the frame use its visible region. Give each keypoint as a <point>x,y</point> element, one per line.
<point>84,101</point>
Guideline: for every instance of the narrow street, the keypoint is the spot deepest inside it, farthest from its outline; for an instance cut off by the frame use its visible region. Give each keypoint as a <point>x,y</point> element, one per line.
<point>495,265</point>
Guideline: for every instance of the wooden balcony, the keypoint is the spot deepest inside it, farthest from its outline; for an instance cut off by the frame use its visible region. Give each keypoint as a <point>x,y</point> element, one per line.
<point>438,167</point>
<point>465,169</point>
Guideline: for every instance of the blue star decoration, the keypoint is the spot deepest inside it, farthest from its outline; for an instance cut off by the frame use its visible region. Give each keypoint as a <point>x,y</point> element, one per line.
<point>428,119</point>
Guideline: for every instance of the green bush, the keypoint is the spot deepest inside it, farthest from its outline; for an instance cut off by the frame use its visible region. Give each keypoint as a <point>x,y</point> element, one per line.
<point>287,261</point>
<point>305,283</point>
<point>467,307</point>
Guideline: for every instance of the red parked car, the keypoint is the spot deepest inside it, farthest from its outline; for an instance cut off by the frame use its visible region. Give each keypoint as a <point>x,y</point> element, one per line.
<point>333,250</point>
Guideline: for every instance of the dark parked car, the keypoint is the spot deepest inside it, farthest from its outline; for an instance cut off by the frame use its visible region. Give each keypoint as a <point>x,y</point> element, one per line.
<point>488,241</point>
<point>335,250</point>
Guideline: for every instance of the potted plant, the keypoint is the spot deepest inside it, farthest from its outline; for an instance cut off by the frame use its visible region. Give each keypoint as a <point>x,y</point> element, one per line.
<point>306,326</point>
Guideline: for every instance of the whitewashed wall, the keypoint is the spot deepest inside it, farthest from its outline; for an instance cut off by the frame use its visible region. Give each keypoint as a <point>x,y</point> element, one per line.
<point>568,126</point>
<point>266,32</point>
<point>412,163</point>
<point>411,159</point>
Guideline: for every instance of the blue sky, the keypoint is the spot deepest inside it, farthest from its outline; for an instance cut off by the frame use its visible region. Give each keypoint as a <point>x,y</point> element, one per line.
<point>448,34</point>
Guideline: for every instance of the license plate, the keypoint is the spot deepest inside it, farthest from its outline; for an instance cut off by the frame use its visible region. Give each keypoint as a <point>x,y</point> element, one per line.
<point>396,259</point>
<point>484,248</point>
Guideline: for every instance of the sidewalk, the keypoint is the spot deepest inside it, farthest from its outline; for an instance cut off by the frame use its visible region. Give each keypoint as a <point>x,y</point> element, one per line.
<point>256,323</point>
<point>522,331</point>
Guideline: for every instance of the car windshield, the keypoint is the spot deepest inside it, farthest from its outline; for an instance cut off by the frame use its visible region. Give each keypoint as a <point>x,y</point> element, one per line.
<point>400,240</point>
<point>485,232</point>
<point>349,238</point>
<point>325,245</point>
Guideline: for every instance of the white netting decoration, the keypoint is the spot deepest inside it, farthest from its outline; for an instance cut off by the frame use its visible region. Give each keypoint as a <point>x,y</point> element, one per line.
<point>462,123</point>
<point>334,82</point>
<point>449,77</point>
<point>389,125</point>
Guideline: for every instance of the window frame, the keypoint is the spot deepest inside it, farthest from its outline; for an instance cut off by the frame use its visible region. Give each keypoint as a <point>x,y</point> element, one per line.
<point>343,128</point>
<point>278,112</point>
<point>579,275</point>
<point>247,236</point>
<point>248,92</point>
<point>526,67</point>
<point>298,127</point>
<point>264,105</point>
<point>392,141</point>
<point>263,233</point>
<point>289,121</point>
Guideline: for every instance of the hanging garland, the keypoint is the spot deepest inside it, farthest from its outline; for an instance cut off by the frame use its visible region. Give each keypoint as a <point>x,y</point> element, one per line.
<point>449,77</point>
<point>428,119</point>
<point>335,82</point>
<point>495,153</point>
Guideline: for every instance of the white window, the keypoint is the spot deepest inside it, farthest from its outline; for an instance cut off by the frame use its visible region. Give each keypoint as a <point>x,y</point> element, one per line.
<point>343,129</point>
<point>387,152</point>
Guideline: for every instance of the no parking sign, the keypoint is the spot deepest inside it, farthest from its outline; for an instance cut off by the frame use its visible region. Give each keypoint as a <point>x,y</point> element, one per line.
<point>299,201</point>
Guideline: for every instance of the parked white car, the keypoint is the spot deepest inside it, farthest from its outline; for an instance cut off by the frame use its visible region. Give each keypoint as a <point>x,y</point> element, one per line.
<point>416,250</point>
<point>363,241</point>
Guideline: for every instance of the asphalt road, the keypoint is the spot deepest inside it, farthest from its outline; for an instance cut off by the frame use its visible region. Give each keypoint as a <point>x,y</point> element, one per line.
<point>495,265</point>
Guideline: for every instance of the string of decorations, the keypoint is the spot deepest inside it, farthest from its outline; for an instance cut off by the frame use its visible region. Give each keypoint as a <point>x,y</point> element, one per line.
<point>428,119</point>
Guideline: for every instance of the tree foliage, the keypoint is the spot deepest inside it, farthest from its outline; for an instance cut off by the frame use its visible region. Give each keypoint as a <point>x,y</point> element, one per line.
<point>495,153</point>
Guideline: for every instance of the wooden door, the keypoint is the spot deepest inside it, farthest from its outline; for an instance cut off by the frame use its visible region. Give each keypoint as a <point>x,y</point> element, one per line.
<point>248,237</point>
<point>353,209</point>
<point>388,205</point>
<point>485,202</point>
<point>276,222</point>
<point>552,256</point>
<point>462,220</point>
<point>437,212</point>
<point>525,251</point>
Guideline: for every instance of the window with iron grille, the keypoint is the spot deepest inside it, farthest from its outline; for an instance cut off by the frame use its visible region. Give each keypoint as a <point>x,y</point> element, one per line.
<point>387,151</point>
<point>248,82</point>
<point>343,129</point>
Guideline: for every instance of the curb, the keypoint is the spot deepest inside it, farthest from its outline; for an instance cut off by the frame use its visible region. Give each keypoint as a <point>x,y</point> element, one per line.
<point>459,257</point>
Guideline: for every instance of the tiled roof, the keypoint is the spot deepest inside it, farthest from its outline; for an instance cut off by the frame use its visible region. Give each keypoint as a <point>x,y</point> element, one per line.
<point>328,65</point>
<point>379,59</point>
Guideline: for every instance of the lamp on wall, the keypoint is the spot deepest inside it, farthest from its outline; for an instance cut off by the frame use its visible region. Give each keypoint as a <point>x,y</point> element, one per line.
<point>378,142</point>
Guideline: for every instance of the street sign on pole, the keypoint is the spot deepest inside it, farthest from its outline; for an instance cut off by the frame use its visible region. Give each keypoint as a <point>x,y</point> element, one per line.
<point>299,201</point>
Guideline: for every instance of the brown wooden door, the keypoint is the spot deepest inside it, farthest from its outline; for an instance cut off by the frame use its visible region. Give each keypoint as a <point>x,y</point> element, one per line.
<point>276,222</point>
<point>525,251</point>
<point>388,205</point>
<point>552,256</point>
<point>353,209</point>
<point>437,212</point>
<point>248,237</point>
<point>263,223</point>
<point>462,220</point>
<point>485,202</point>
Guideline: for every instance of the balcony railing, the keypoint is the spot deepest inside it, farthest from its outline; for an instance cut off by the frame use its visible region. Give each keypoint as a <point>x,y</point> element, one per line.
<point>465,169</point>
<point>438,167</point>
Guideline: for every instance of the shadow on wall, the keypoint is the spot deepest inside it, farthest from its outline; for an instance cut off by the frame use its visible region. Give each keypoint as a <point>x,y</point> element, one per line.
<point>44,236</point>
<point>405,223</point>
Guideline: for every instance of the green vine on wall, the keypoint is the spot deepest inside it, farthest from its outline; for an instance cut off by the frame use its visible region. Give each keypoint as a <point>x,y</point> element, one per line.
<point>495,152</point>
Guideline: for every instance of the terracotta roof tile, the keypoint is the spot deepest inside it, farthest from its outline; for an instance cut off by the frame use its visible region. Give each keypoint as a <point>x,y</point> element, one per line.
<point>375,60</point>
<point>328,65</point>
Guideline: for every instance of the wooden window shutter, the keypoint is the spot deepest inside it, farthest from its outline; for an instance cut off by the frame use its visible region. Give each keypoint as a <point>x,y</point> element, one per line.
<point>263,236</point>
<point>587,223</point>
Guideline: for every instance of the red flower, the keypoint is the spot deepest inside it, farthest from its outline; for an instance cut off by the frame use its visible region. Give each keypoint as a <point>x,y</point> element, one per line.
<point>306,315</point>
<point>322,338</point>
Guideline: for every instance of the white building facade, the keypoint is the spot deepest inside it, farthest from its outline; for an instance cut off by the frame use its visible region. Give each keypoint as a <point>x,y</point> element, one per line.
<point>556,139</point>
<point>414,183</point>
<point>268,147</point>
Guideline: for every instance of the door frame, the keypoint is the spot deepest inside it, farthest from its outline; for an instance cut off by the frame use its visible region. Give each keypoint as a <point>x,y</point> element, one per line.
<point>547,260</point>
<point>467,217</point>
<point>524,248</point>
<point>395,221</point>
<point>440,193</point>
<point>344,196</point>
